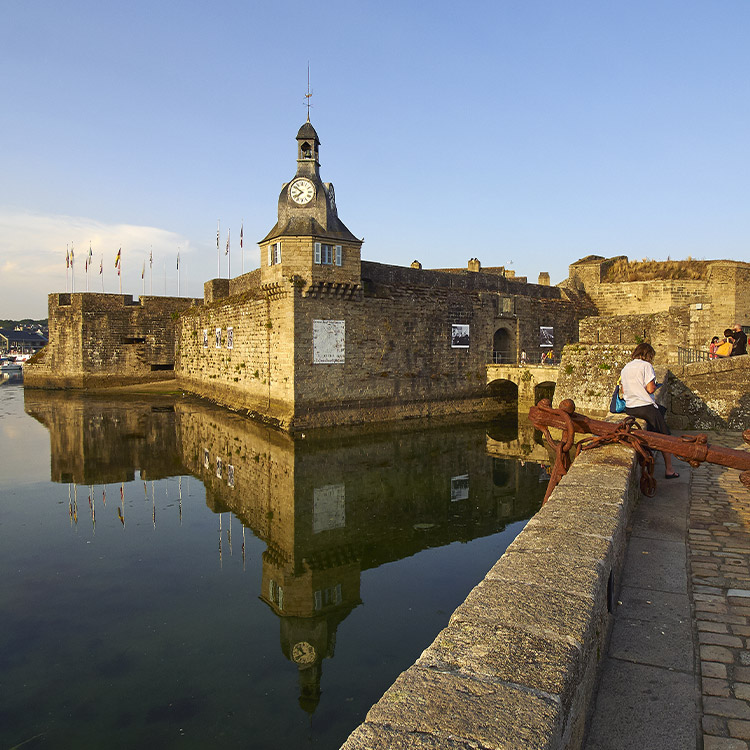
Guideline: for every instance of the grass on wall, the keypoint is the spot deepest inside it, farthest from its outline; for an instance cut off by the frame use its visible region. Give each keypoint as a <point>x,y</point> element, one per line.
<point>653,270</point>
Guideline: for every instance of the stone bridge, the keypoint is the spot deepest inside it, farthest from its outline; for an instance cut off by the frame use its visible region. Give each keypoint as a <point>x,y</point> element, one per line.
<point>527,383</point>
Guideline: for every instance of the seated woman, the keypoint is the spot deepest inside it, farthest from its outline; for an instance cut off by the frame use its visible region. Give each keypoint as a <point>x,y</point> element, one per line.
<point>638,387</point>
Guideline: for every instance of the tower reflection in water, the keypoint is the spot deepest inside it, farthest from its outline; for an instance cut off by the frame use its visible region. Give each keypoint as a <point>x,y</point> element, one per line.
<point>327,505</point>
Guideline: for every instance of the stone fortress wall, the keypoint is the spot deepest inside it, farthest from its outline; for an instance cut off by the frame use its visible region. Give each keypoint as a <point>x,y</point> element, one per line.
<point>396,360</point>
<point>106,340</point>
<point>666,312</point>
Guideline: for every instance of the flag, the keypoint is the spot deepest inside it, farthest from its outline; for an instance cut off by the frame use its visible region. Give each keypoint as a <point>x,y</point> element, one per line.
<point>101,266</point>
<point>178,260</point>
<point>226,252</point>
<point>117,259</point>
<point>67,257</point>
<point>71,256</point>
<point>151,259</point>
<point>242,228</point>
<point>91,254</point>
<point>143,270</point>
<point>217,236</point>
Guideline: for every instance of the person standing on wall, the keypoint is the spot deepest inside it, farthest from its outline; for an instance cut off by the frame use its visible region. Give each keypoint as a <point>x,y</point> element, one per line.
<point>638,387</point>
<point>740,341</point>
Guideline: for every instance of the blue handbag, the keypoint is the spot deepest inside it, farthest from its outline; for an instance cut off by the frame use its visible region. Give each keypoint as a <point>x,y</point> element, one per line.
<point>617,405</point>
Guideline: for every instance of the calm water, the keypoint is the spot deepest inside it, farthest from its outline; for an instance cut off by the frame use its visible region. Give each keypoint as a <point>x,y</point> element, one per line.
<point>176,576</point>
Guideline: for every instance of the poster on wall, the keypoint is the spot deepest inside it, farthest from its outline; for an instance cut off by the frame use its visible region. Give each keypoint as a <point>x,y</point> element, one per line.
<point>219,466</point>
<point>459,336</point>
<point>218,338</point>
<point>460,488</point>
<point>328,342</point>
<point>205,338</point>
<point>230,337</point>
<point>206,457</point>
<point>546,337</point>
<point>230,475</point>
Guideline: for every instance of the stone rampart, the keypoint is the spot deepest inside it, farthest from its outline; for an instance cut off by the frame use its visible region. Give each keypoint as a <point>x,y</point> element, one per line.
<point>711,395</point>
<point>517,664</point>
<point>252,369</point>
<point>102,340</point>
<point>671,312</point>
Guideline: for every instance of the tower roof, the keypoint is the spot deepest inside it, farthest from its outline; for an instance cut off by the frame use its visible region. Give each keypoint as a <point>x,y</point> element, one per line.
<point>307,132</point>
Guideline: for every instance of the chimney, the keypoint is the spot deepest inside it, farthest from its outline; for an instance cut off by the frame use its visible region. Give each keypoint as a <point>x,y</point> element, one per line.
<point>475,265</point>
<point>543,279</point>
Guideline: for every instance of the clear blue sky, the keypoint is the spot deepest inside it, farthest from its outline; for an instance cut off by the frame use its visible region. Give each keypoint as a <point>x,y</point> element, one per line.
<point>525,133</point>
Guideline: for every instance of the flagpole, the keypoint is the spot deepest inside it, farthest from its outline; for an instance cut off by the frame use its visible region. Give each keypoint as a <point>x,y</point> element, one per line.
<point>229,254</point>
<point>165,277</point>
<point>143,278</point>
<point>72,269</point>
<point>67,268</point>
<point>218,251</point>
<point>119,271</point>
<point>101,271</point>
<point>151,270</point>
<point>242,248</point>
<point>86,267</point>
<point>178,271</point>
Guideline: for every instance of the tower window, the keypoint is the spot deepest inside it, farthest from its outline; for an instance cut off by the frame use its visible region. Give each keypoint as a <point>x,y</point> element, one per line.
<point>327,255</point>
<point>274,254</point>
<point>306,151</point>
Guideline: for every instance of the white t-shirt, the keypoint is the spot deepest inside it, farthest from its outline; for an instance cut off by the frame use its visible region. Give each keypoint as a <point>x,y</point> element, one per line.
<point>634,377</point>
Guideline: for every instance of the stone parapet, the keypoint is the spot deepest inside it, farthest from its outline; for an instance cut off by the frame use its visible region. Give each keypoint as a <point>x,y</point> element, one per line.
<point>517,664</point>
<point>709,395</point>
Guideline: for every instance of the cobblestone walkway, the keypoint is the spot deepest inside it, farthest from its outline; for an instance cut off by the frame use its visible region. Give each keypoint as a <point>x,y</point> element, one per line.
<point>719,568</point>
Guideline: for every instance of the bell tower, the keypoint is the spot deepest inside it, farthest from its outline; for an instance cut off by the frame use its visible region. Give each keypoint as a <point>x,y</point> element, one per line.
<point>309,243</point>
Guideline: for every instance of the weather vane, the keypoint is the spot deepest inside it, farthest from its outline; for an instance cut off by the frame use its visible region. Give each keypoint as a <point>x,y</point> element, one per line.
<point>308,94</point>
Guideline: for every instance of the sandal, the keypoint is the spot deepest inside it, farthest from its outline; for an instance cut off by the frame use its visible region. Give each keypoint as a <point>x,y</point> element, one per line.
<point>673,475</point>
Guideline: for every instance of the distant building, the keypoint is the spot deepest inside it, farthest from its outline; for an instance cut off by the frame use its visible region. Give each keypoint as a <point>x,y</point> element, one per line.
<point>20,342</point>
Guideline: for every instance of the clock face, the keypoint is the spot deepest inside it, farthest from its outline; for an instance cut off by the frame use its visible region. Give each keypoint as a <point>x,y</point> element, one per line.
<point>302,191</point>
<point>303,653</point>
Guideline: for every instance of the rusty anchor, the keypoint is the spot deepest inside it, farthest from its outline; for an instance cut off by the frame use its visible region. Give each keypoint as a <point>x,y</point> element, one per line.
<point>691,448</point>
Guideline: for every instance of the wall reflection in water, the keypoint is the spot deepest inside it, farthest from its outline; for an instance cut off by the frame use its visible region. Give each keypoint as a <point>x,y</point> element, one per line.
<point>327,505</point>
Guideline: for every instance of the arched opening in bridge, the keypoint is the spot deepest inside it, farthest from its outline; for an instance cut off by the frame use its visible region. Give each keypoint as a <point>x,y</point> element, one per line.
<point>502,471</point>
<point>505,429</point>
<point>502,347</point>
<point>505,394</point>
<point>542,390</point>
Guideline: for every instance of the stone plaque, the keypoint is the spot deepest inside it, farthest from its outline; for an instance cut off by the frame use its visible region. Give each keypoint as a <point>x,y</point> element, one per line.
<point>329,507</point>
<point>328,342</point>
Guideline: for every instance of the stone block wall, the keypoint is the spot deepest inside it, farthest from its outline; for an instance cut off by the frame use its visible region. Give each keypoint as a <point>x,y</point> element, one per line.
<point>711,395</point>
<point>665,331</point>
<point>703,307</point>
<point>517,664</point>
<point>257,373</point>
<point>398,358</point>
<point>107,339</point>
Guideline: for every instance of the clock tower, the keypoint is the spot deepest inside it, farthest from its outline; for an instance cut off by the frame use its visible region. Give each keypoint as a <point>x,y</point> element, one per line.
<point>309,244</point>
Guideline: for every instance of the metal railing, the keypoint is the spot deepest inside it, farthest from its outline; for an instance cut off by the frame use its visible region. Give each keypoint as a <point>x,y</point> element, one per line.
<point>686,356</point>
<point>508,358</point>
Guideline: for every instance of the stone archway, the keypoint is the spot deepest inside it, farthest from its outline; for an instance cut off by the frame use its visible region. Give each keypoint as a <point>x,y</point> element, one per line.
<point>502,347</point>
<point>545,389</point>
<point>505,393</point>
